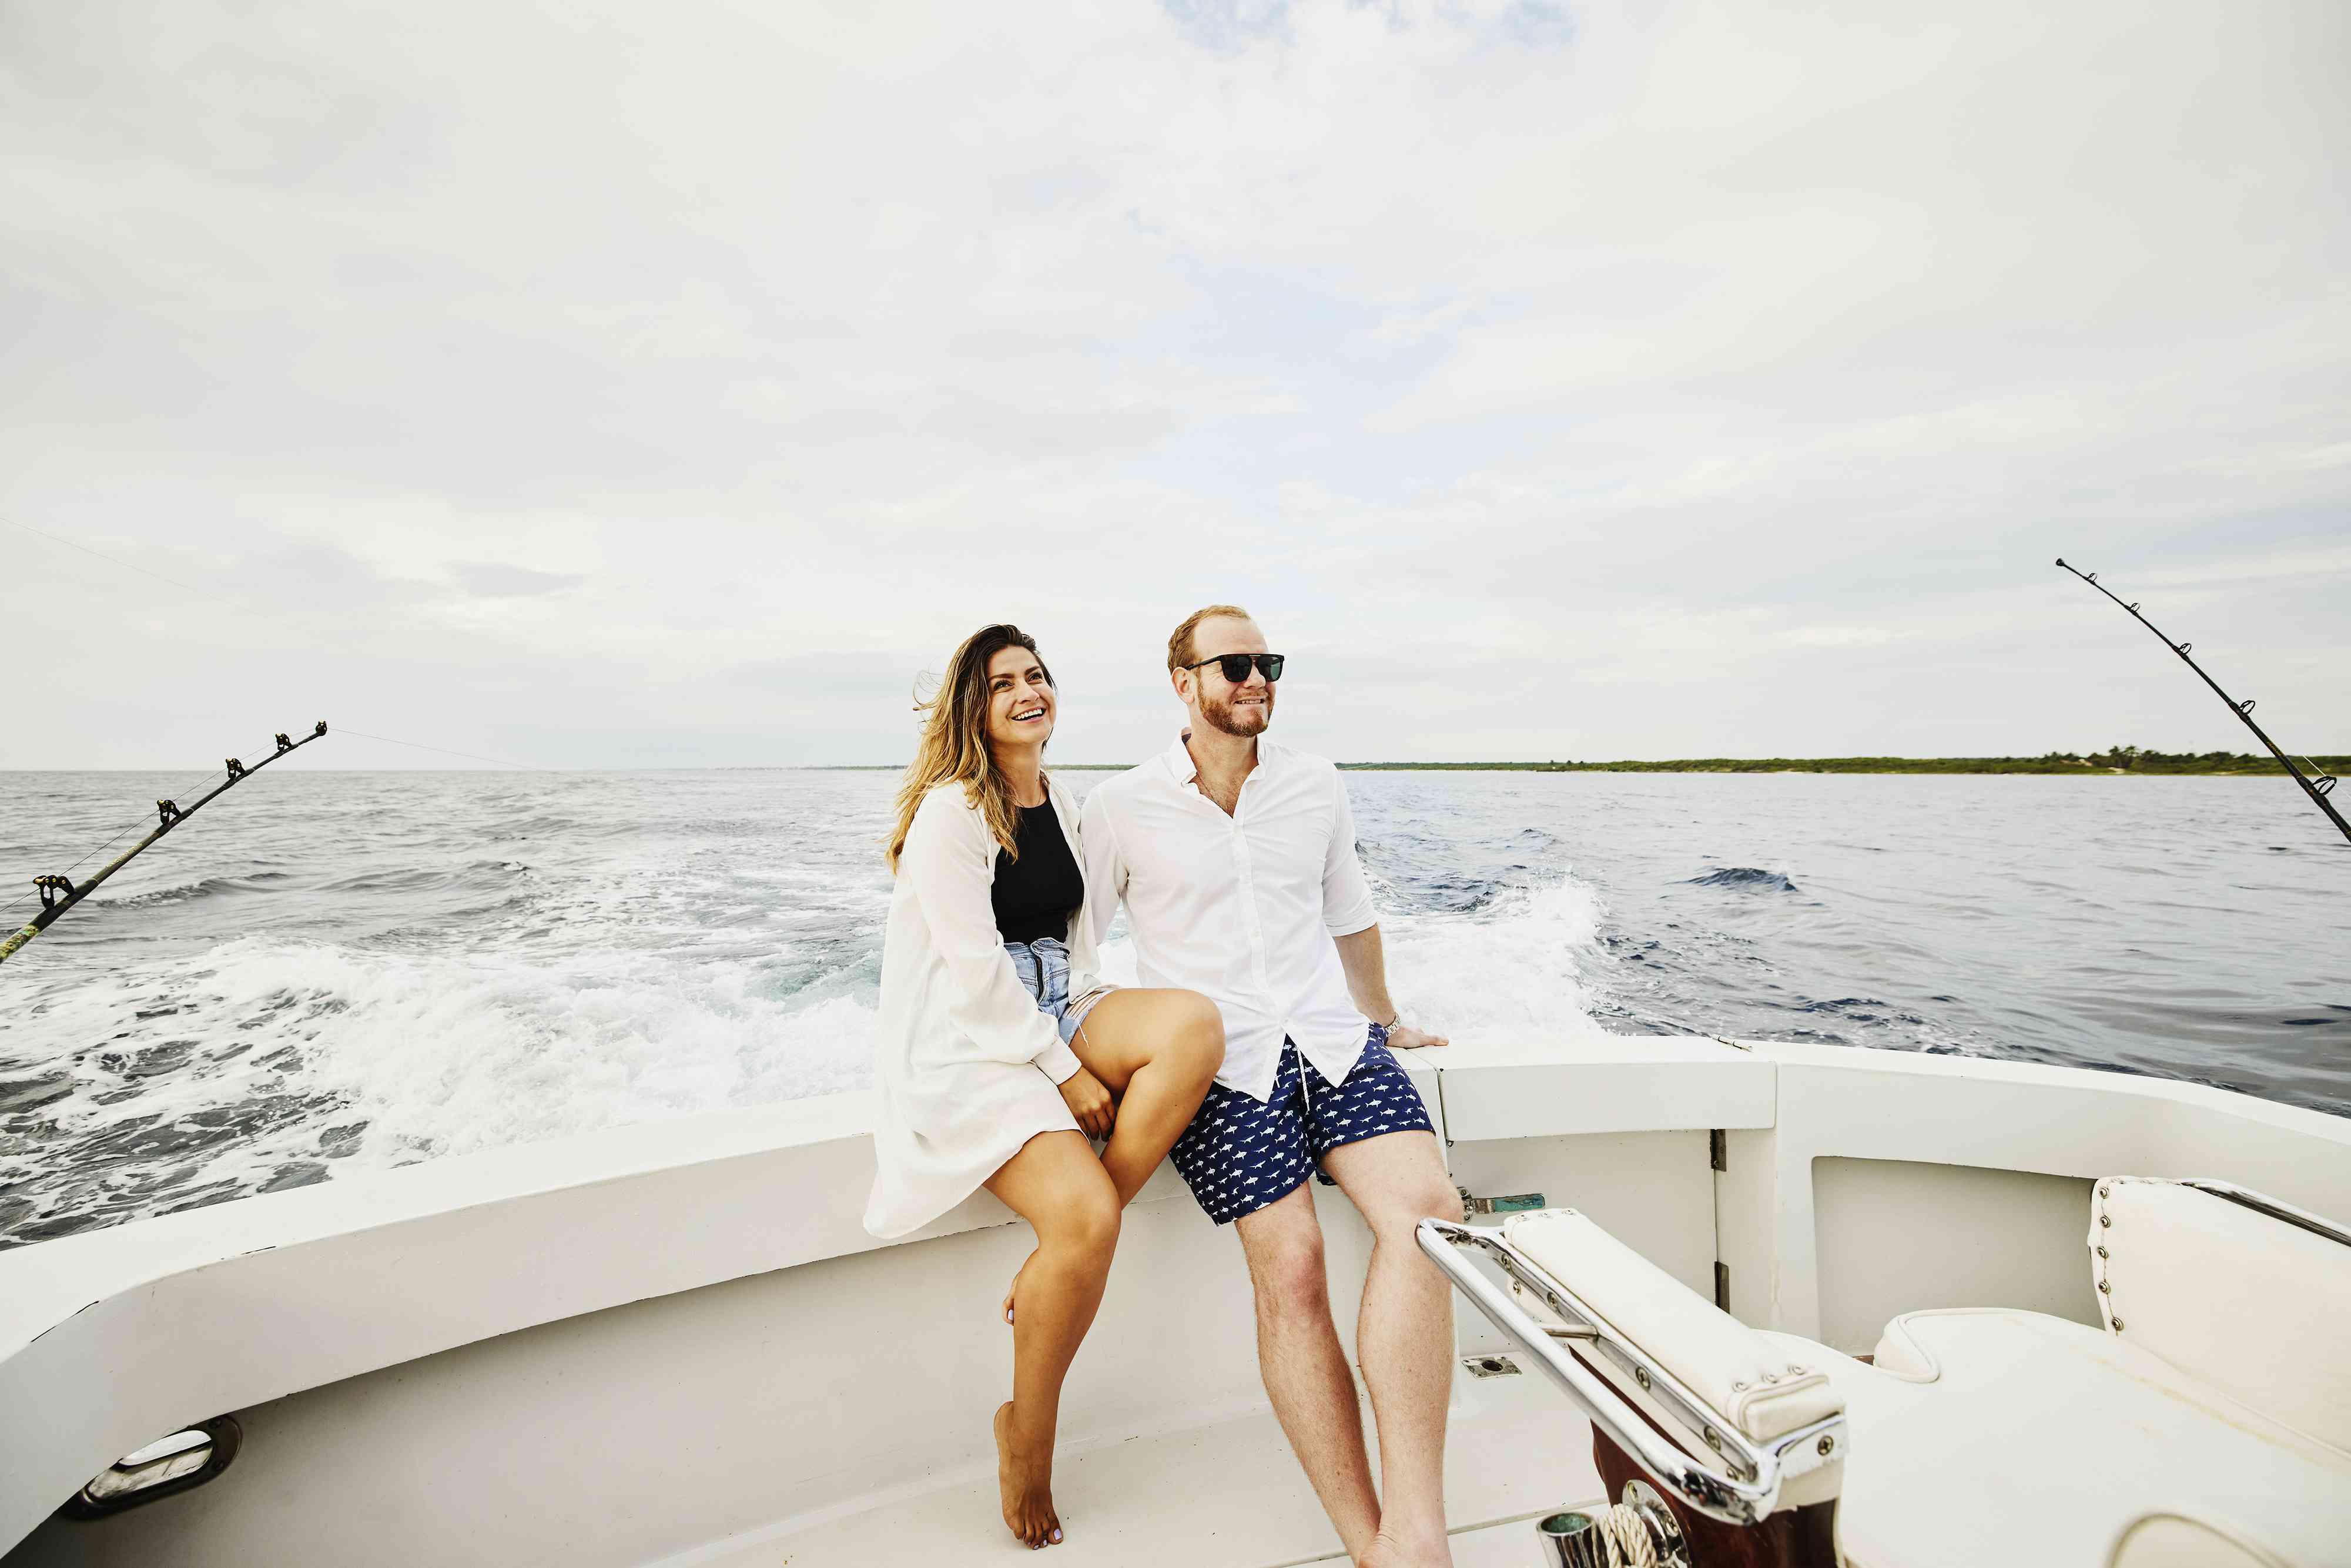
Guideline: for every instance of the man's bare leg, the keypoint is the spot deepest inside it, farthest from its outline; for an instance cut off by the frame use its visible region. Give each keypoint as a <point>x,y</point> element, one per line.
<point>1305,1371</point>
<point>1404,1337</point>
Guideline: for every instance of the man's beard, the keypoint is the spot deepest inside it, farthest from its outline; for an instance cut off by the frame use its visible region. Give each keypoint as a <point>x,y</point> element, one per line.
<point>1241,722</point>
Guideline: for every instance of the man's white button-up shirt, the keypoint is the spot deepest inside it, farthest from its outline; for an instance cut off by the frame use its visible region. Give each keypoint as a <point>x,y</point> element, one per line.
<point>1242,909</point>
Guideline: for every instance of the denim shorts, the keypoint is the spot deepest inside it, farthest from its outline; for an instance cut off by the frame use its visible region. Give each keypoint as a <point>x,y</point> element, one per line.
<point>1043,967</point>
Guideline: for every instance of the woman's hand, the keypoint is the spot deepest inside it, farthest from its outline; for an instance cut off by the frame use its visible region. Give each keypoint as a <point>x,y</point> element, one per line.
<point>1089,1102</point>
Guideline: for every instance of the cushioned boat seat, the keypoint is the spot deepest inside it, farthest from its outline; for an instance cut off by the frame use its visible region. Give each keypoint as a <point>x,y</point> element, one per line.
<point>1985,1436</point>
<point>2209,1423</point>
<point>2251,1299</point>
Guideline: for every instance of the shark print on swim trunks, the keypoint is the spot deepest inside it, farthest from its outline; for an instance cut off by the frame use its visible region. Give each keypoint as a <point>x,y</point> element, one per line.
<point>1239,1155</point>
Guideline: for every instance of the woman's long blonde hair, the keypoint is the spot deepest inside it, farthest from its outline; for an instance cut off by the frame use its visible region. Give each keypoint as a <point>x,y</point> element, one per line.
<point>954,748</point>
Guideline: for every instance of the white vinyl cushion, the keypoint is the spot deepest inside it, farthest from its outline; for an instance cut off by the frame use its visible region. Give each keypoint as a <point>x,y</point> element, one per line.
<point>1740,1376</point>
<point>1985,1436</point>
<point>2247,1302</point>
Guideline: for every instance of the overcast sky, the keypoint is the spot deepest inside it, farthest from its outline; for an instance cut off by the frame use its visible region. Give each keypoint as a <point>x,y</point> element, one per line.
<point>643,385</point>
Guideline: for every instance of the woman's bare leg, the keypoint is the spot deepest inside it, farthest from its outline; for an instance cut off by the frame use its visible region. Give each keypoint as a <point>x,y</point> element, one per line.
<point>1060,1188</point>
<point>1156,1050</point>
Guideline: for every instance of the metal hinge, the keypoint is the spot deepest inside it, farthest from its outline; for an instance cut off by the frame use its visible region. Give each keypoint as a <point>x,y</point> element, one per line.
<point>1722,1284</point>
<point>1718,1150</point>
<point>1511,1203</point>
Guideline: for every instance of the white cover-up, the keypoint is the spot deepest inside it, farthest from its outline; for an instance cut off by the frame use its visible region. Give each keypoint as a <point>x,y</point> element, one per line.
<point>967,1066</point>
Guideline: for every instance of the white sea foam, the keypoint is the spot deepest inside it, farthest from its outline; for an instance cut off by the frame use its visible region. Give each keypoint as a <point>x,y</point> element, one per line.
<point>445,1059</point>
<point>1514,970</point>
<point>373,1059</point>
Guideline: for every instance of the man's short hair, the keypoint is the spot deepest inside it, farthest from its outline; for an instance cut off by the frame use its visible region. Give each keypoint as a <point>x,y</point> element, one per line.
<point>1182,649</point>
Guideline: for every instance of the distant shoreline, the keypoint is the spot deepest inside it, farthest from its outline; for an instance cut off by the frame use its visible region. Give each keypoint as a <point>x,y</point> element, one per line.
<point>2150,764</point>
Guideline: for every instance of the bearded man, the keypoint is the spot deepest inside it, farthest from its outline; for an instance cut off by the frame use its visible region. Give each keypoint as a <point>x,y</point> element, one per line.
<point>1236,858</point>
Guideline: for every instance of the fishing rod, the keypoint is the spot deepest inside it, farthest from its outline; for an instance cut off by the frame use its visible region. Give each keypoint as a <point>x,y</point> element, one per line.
<point>2317,789</point>
<point>59,894</point>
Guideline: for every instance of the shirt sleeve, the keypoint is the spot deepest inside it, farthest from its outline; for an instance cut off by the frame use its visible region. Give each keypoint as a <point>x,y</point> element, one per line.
<point>1347,895</point>
<point>952,876</point>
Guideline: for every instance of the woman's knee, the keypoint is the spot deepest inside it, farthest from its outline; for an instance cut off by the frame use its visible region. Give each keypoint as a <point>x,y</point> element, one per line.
<point>1085,1221</point>
<point>1200,1035</point>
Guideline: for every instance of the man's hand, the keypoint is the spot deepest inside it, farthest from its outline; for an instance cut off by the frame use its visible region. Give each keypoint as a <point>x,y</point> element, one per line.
<point>1089,1102</point>
<point>1403,1037</point>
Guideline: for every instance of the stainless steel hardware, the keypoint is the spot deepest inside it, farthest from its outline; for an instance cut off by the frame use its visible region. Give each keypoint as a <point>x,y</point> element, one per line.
<point>187,1458</point>
<point>1741,1488</point>
<point>1581,1537</point>
<point>2260,1203</point>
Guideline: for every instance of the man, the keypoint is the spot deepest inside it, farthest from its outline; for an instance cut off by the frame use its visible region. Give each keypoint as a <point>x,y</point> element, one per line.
<point>1236,858</point>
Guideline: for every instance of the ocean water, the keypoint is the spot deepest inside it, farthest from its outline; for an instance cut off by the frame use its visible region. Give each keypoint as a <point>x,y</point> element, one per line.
<point>328,972</point>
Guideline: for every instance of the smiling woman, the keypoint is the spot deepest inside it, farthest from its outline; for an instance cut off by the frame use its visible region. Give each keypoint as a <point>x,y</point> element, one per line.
<point>999,1052</point>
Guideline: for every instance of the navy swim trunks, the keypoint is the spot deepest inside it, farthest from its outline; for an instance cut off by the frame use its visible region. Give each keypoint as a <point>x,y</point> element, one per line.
<point>1239,1155</point>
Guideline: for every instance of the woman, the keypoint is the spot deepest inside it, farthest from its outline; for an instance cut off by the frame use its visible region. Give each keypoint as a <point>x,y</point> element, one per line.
<point>999,1055</point>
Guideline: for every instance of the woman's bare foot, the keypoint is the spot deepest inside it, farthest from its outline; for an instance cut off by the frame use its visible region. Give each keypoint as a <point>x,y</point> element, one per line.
<point>1025,1480</point>
<point>1016,1287</point>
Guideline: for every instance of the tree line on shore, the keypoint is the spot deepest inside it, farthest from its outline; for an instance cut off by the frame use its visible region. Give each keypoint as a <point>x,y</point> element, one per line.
<point>2114,759</point>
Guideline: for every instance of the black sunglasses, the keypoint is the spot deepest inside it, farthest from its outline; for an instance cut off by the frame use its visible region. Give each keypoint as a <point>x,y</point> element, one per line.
<point>1236,666</point>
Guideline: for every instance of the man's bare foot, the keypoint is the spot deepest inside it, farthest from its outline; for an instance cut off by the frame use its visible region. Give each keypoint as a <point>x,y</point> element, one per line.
<point>1025,1480</point>
<point>1016,1286</point>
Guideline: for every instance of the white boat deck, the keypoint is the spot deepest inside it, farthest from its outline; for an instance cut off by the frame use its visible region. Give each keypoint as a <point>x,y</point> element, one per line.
<point>1226,1494</point>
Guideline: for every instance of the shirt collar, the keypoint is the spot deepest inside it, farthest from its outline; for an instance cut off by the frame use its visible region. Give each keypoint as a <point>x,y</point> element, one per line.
<point>1183,770</point>
<point>1180,766</point>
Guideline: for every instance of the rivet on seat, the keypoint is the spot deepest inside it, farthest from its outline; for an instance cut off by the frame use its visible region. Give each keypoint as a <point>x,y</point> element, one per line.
<point>1771,1378</point>
<point>2102,1251</point>
<point>2119,1325</point>
<point>2105,1219</point>
<point>1737,1386</point>
<point>2102,1287</point>
<point>2101,1189</point>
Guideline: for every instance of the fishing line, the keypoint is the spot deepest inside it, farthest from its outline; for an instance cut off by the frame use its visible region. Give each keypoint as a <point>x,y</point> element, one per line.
<point>517,767</point>
<point>118,561</point>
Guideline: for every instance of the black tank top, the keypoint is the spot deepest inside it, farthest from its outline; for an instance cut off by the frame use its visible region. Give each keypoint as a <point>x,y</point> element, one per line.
<point>1035,895</point>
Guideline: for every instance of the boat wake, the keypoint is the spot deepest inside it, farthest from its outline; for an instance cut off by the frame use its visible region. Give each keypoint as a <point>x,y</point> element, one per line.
<point>263,1063</point>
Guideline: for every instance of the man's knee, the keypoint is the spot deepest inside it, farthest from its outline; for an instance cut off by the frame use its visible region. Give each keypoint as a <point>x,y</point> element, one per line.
<point>1423,1196</point>
<point>1293,1284</point>
<point>1286,1264</point>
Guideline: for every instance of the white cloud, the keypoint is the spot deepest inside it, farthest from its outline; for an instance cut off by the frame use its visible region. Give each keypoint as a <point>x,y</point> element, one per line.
<point>613,385</point>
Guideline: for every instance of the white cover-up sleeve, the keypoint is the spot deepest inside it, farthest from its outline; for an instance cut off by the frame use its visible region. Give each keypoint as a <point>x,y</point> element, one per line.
<point>950,860</point>
<point>1346,894</point>
<point>1105,870</point>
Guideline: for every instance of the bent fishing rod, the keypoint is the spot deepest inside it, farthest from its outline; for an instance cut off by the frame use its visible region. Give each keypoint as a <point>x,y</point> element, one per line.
<point>2317,789</point>
<point>59,894</point>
